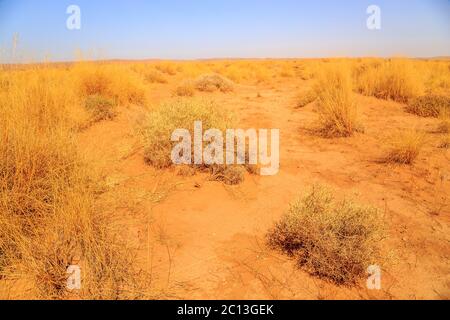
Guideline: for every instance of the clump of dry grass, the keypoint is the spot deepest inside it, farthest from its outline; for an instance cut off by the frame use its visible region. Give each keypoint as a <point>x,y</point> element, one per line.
<point>159,125</point>
<point>445,143</point>
<point>117,82</point>
<point>395,79</point>
<point>438,80</point>
<point>168,68</point>
<point>444,126</point>
<point>214,82</point>
<point>335,240</point>
<point>429,105</point>
<point>185,89</point>
<point>231,175</point>
<point>305,98</point>
<point>405,147</point>
<point>336,102</point>
<point>101,108</point>
<point>48,214</point>
<point>154,76</point>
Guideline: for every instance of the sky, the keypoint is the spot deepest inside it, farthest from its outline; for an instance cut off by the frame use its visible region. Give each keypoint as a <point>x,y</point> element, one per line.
<point>199,29</point>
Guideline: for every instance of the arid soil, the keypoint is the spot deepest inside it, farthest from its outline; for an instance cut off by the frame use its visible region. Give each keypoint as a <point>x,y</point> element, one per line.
<point>198,239</point>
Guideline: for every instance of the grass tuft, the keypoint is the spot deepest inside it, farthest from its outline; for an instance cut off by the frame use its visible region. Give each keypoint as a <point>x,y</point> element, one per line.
<point>335,240</point>
<point>101,108</point>
<point>429,105</point>
<point>405,147</point>
<point>336,102</point>
<point>214,82</point>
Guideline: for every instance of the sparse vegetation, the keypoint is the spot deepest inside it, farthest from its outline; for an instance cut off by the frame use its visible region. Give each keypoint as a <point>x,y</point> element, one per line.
<point>405,146</point>
<point>214,82</point>
<point>305,98</point>
<point>336,102</point>
<point>159,125</point>
<point>231,175</point>
<point>186,89</point>
<point>110,81</point>
<point>48,214</point>
<point>101,108</point>
<point>395,79</point>
<point>335,240</point>
<point>155,76</point>
<point>430,105</point>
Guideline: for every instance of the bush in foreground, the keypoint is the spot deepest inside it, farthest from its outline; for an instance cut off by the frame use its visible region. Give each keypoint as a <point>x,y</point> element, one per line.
<point>49,218</point>
<point>335,240</point>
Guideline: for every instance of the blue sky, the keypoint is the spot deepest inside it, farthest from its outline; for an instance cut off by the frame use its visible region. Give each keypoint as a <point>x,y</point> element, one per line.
<point>190,29</point>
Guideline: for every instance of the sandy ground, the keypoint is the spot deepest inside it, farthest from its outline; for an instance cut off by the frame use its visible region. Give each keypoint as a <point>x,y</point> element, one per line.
<point>204,240</point>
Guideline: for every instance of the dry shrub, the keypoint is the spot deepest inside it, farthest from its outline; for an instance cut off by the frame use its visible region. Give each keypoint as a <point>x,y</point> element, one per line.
<point>155,76</point>
<point>231,175</point>
<point>336,102</point>
<point>395,79</point>
<point>335,240</point>
<point>429,105</point>
<point>159,125</point>
<point>101,108</point>
<point>305,98</point>
<point>444,126</point>
<point>445,143</point>
<point>48,216</point>
<point>214,82</point>
<point>405,146</point>
<point>185,89</point>
<point>168,68</point>
<point>117,82</point>
<point>243,71</point>
<point>438,81</point>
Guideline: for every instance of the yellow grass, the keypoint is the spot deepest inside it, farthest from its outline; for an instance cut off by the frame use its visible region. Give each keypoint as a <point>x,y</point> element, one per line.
<point>335,240</point>
<point>112,81</point>
<point>395,79</point>
<point>405,146</point>
<point>337,105</point>
<point>48,216</point>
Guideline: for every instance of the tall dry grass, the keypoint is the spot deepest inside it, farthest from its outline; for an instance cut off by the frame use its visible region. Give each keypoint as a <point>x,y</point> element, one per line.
<point>112,81</point>
<point>48,213</point>
<point>395,79</point>
<point>336,102</point>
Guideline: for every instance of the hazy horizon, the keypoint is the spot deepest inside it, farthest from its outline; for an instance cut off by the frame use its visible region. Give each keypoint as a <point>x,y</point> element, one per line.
<point>199,30</point>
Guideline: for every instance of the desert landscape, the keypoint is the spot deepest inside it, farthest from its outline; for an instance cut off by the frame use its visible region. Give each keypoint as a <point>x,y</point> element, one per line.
<point>364,179</point>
